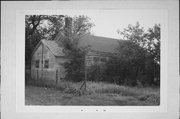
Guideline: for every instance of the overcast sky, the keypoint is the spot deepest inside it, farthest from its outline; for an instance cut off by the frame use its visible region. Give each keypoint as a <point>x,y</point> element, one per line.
<point>108,21</point>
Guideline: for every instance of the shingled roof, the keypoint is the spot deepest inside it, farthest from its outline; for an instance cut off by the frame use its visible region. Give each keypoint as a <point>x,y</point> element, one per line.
<point>53,47</point>
<point>96,43</point>
<point>100,44</point>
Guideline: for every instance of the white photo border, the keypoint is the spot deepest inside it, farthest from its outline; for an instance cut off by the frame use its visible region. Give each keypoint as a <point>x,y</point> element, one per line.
<point>13,84</point>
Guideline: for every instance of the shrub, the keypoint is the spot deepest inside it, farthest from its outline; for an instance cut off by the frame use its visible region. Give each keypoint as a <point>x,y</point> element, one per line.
<point>74,69</point>
<point>95,73</point>
<point>115,71</point>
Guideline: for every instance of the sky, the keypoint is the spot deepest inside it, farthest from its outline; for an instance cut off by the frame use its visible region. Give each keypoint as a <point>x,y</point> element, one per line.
<point>108,21</point>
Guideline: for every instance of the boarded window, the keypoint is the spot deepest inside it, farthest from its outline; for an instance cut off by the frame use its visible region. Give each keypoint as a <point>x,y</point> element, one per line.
<point>46,64</point>
<point>37,63</point>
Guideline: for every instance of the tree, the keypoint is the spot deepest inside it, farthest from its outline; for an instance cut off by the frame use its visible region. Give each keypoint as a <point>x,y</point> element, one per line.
<point>125,67</point>
<point>82,25</point>
<point>39,27</point>
<point>153,39</point>
<point>134,34</point>
<point>153,58</point>
<point>143,52</point>
<point>75,66</point>
<point>133,56</point>
<point>116,71</point>
<point>31,24</point>
<point>149,40</point>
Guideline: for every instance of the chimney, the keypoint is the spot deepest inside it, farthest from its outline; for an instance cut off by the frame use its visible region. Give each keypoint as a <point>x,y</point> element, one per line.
<point>68,26</point>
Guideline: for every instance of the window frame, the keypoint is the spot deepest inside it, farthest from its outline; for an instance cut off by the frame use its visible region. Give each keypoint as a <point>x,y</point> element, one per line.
<point>37,63</point>
<point>96,59</point>
<point>46,63</point>
<point>103,59</point>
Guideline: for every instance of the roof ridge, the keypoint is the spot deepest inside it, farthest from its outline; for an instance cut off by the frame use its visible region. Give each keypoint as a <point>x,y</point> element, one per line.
<point>99,43</point>
<point>103,37</point>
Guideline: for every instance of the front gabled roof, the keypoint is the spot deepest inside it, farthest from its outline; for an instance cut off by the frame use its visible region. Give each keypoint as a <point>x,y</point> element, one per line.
<point>52,46</point>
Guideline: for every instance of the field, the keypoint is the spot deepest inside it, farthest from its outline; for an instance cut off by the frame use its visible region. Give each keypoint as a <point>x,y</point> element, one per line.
<point>97,94</point>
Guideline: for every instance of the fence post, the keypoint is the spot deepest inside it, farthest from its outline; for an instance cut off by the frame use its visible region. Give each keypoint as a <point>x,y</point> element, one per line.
<point>56,76</point>
<point>37,75</point>
<point>34,79</point>
<point>85,73</point>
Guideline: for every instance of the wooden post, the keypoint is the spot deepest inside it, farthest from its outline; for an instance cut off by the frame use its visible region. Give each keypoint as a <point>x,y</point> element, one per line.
<point>33,81</point>
<point>37,75</point>
<point>82,85</point>
<point>42,62</point>
<point>85,74</point>
<point>85,77</point>
<point>56,76</point>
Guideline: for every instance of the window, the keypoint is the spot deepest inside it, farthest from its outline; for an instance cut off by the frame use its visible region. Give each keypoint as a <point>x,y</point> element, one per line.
<point>37,63</point>
<point>96,59</point>
<point>46,64</point>
<point>89,57</point>
<point>103,60</point>
<point>88,62</point>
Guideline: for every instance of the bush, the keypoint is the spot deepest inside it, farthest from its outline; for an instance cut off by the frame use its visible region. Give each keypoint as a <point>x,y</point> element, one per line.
<point>131,72</point>
<point>95,73</point>
<point>129,81</point>
<point>74,69</point>
<point>115,71</point>
<point>121,72</point>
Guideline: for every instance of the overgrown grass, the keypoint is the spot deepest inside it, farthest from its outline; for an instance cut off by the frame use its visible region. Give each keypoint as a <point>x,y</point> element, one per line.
<point>50,84</point>
<point>143,94</point>
<point>99,87</point>
<point>148,94</point>
<point>102,87</point>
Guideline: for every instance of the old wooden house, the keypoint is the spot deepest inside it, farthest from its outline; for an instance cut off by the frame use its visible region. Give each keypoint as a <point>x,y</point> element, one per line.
<point>48,57</point>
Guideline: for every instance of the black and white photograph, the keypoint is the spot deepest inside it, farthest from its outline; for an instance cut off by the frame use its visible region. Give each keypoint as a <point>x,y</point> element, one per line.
<point>90,59</point>
<point>103,58</point>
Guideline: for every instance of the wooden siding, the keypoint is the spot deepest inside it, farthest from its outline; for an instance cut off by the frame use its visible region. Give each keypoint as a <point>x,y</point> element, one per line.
<point>42,53</point>
<point>55,70</point>
<point>90,58</point>
<point>59,66</point>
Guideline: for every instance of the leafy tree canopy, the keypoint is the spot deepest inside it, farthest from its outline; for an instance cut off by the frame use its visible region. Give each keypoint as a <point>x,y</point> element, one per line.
<point>39,27</point>
<point>149,41</point>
